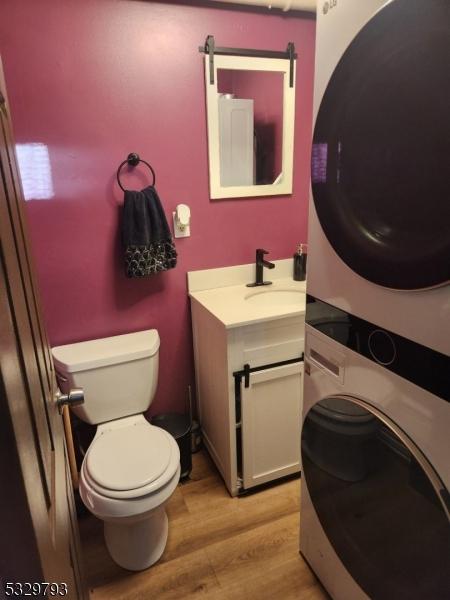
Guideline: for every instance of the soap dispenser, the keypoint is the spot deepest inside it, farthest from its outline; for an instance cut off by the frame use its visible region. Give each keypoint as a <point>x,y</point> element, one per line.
<point>300,263</point>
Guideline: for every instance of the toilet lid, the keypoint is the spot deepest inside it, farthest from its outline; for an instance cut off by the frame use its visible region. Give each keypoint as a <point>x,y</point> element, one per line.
<point>129,457</point>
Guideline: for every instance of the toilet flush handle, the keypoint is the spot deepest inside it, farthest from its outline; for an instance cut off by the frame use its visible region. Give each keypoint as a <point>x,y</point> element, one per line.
<point>74,398</point>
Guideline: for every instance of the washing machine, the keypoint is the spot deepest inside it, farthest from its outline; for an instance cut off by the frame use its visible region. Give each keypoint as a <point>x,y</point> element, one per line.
<point>375,449</point>
<point>379,222</point>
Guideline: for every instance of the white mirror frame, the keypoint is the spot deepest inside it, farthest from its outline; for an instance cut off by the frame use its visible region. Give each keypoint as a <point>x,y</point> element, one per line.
<point>246,63</point>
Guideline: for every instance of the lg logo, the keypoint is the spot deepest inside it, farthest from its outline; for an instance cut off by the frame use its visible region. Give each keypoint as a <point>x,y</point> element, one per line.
<point>329,5</point>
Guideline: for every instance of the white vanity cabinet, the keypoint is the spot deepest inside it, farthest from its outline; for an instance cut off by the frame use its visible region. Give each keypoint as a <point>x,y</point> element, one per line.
<point>249,395</point>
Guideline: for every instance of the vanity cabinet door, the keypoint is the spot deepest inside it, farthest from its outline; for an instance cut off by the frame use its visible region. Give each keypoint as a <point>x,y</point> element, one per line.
<point>271,413</point>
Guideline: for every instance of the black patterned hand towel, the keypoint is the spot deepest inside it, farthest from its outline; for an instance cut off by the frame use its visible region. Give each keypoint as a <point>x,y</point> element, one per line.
<point>146,236</point>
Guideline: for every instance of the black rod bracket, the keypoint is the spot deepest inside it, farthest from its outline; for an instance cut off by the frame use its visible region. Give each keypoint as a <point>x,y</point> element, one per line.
<point>210,48</point>
<point>291,51</point>
<point>247,375</point>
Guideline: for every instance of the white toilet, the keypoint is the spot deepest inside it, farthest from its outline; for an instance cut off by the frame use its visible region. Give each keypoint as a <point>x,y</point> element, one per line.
<point>131,468</point>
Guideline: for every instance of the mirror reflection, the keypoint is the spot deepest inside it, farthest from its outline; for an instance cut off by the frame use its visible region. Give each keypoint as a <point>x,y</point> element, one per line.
<point>250,126</point>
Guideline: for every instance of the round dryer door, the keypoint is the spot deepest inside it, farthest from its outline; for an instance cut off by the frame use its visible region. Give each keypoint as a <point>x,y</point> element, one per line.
<point>381,148</point>
<point>380,503</point>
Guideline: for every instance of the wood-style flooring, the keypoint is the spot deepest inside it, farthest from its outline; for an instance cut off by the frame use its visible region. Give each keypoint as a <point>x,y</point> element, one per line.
<point>219,548</point>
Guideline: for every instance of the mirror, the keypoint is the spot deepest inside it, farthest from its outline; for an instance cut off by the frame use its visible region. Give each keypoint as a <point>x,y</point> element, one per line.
<point>250,109</point>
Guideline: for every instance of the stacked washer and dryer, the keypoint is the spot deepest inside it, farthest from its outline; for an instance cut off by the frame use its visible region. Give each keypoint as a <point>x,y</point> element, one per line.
<point>375,504</point>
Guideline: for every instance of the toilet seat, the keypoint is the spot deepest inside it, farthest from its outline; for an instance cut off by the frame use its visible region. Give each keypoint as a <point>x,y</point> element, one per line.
<point>131,461</point>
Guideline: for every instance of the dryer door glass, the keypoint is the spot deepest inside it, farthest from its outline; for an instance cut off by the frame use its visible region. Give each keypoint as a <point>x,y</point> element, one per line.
<point>378,500</point>
<point>381,148</point>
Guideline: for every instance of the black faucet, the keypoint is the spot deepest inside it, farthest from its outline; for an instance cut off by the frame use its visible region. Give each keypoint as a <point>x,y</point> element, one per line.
<point>260,264</point>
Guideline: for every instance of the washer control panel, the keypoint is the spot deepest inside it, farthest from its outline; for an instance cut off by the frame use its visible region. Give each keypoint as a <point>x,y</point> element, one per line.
<point>382,347</point>
<point>422,366</point>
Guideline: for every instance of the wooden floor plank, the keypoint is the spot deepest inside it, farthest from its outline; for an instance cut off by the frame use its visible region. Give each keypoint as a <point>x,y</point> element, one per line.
<point>286,581</point>
<point>177,508</point>
<point>256,563</point>
<point>189,576</point>
<point>220,521</point>
<point>218,548</point>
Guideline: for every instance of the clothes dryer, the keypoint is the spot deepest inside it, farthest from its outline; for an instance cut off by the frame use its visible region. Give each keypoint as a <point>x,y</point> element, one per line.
<point>379,226</point>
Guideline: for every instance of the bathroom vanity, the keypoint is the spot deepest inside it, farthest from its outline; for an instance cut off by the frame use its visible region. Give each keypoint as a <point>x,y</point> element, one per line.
<point>248,349</point>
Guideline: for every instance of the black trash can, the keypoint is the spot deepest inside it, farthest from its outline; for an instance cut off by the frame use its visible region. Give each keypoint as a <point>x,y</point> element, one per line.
<point>180,427</point>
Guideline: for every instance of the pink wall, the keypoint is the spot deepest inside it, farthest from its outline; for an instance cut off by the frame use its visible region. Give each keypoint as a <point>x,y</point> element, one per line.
<point>96,79</point>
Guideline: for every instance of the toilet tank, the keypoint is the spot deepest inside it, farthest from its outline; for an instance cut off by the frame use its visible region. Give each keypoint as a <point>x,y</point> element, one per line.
<point>118,374</point>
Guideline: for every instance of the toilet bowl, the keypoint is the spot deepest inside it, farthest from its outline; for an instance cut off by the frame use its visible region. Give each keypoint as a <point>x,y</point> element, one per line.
<point>131,467</point>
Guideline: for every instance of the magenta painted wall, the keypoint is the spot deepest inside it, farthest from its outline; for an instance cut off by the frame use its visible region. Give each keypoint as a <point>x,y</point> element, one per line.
<point>96,79</point>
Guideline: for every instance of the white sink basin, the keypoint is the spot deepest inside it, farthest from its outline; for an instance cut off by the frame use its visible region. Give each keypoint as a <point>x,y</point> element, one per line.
<point>275,297</point>
<point>238,305</point>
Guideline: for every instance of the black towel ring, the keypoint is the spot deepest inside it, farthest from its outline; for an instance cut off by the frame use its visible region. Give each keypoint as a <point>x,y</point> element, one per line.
<point>132,160</point>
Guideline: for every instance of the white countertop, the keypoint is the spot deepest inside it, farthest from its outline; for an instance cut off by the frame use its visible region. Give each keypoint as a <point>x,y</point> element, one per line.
<point>230,305</point>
